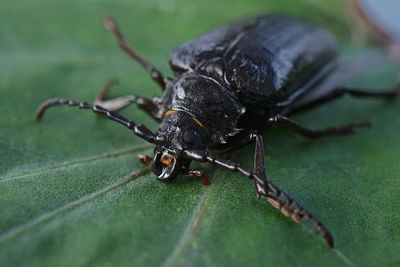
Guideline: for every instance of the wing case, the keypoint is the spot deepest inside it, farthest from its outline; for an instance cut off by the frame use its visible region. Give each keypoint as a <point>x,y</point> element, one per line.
<point>268,60</point>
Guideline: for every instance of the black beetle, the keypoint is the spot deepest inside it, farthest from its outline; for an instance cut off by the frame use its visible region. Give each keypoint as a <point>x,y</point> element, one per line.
<point>230,82</point>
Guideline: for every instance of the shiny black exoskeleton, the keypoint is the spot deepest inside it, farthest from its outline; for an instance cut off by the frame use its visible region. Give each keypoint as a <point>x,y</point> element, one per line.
<point>241,73</point>
<point>230,82</point>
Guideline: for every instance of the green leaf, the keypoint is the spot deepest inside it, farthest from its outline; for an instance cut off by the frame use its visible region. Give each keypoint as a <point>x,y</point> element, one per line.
<point>73,193</point>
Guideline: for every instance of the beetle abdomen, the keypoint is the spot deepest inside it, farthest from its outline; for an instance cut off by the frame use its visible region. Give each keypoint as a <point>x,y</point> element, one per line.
<point>264,60</point>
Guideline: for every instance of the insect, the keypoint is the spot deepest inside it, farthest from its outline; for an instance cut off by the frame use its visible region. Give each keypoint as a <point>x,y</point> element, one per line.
<point>230,83</point>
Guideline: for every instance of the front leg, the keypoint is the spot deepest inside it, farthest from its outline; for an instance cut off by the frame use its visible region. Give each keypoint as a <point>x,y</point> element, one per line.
<point>264,187</point>
<point>288,208</point>
<point>121,102</point>
<point>259,160</point>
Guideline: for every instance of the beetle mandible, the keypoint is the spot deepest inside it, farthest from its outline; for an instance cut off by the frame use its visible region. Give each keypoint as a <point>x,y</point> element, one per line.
<point>239,78</point>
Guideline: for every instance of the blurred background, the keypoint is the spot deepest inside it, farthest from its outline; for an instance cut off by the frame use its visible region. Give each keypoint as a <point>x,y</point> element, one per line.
<point>63,200</point>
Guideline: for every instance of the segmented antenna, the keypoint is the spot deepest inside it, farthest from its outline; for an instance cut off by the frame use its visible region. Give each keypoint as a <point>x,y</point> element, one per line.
<point>139,129</point>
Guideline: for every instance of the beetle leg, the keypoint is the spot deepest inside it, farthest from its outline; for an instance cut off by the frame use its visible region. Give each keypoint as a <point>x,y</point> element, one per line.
<point>143,103</point>
<point>276,196</point>
<point>199,173</point>
<point>121,102</point>
<point>102,95</point>
<point>260,169</point>
<point>341,91</point>
<point>317,133</point>
<point>112,27</point>
<point>259,159</point>
<point>146,160</point>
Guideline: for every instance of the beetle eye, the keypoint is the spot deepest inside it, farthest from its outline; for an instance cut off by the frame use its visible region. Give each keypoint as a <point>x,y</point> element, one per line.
<point>191,137</point>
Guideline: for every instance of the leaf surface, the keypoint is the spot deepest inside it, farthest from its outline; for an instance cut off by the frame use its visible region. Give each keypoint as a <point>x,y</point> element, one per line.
<point>73,193</point>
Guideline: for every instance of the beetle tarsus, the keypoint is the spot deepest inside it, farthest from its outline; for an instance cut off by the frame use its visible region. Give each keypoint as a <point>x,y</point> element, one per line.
<point>265,187</point>
<point>285,209</point>
<point>288,206</point>
<point>146,160</point>
<point>200,174</point>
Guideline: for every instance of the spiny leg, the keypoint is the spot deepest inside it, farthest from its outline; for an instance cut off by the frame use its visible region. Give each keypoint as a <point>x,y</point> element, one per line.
<point>317,133</point>
<point>273,193</point>
<point>260,169</point>
<point>121,102</point>
<point>242,139</point>
<point>139,129</point>
<point>112,27</point>
<point>341,91</point>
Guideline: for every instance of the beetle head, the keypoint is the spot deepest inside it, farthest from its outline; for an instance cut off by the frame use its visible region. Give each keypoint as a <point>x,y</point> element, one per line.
<point>179,131</point>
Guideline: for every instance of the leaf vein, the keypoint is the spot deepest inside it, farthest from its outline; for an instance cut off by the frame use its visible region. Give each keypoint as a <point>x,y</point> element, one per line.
<point>190,233</point>
<point>48,216</point>
<point>75,162</point>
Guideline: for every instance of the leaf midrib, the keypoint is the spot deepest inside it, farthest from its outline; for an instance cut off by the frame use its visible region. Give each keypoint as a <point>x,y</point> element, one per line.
<point>75,162</point>
<point>189,235</point>
<point>48,216</point>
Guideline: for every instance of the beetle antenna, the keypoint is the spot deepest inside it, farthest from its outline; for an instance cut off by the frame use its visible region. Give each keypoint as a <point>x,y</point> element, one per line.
<point>139,129</point>
<point>278,198</point>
